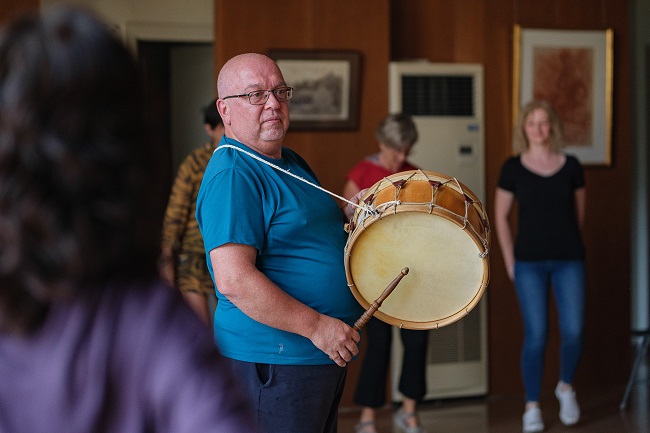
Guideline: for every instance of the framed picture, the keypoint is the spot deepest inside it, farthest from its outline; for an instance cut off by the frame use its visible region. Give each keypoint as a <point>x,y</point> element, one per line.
<point>572,69</point>
<point>326,87</point>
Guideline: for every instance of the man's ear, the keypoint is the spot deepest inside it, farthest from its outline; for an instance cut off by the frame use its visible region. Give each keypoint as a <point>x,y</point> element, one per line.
<point>224,111</point>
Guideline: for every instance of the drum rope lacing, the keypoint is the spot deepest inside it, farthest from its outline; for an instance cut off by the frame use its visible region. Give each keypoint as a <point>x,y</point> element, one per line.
<point>366,208</point>
<point>377,213</point>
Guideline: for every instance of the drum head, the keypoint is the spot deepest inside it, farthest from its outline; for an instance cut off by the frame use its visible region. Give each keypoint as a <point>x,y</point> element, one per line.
<point>447,272</point>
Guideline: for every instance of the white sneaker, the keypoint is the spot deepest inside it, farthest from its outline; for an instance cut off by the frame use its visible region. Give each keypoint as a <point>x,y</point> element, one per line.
<point>569,409</point>
<point>533,421</point>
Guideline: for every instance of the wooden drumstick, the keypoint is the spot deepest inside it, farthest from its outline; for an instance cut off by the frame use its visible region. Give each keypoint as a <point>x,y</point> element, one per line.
<point>375,305</point>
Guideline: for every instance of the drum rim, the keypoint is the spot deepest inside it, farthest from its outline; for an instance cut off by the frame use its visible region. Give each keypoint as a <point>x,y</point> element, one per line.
<point>457,185</point>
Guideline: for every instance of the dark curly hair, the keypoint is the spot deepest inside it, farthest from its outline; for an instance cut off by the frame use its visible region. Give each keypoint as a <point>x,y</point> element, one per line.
<point>80,197</point>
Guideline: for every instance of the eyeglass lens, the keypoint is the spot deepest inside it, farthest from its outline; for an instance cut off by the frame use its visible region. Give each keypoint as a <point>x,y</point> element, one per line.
<point>261,96</point>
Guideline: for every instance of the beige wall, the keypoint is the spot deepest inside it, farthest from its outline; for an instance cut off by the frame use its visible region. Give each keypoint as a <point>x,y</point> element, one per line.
<point>162,20</point>
<point>181,23</point>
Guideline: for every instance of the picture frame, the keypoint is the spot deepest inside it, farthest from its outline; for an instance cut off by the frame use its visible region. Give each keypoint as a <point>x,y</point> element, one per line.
<point>573,70</point>
<point>326,87</point>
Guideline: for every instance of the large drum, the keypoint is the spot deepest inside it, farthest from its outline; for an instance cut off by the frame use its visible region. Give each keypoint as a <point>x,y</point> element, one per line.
<point>431,224</point>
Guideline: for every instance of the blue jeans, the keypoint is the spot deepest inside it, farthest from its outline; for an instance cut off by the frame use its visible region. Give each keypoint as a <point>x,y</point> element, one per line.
<point>533,281</point>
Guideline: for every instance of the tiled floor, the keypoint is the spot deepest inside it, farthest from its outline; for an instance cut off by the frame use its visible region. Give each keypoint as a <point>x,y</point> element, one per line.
<point>502,413</point>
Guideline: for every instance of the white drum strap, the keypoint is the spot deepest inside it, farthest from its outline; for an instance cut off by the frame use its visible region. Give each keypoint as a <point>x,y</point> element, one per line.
<point>252,155</point>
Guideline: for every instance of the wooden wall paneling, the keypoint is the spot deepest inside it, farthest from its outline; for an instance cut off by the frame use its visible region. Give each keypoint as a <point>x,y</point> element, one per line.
<point>578,14</point>
<point>444,31</point>
<point>537,14</point>
<point>504,320</point>
<point>10,8</point>
<point>249,26</point>
<point>469,21</point>
<point>422,29</point>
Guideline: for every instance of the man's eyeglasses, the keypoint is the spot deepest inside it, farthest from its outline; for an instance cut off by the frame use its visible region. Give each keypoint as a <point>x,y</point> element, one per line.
<point>259,97</point>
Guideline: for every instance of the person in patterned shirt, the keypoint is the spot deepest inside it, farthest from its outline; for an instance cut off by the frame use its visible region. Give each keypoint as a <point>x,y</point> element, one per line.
<point>182,263</point>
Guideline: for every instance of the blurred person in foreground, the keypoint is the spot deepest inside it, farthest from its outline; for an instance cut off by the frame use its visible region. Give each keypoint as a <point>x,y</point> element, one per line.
<point>275,247</point>
<point>182,261</point>
<point>90,338</point>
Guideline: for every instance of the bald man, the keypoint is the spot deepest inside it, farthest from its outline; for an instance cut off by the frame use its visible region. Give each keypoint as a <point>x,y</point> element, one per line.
<point>275,250</point>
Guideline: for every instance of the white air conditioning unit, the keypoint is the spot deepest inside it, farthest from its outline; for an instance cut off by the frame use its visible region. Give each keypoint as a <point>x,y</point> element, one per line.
<point>446,102</point>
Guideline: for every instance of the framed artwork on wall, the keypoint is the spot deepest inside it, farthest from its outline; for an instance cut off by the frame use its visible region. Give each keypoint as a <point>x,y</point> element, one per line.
<point>326,87</point>
<point>573,70</point>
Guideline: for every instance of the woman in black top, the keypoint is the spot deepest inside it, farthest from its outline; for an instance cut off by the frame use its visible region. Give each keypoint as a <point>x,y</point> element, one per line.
<point>547,251</point>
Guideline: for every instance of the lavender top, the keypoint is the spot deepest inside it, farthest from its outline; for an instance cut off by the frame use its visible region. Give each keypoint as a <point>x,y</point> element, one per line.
<point>128,360</point>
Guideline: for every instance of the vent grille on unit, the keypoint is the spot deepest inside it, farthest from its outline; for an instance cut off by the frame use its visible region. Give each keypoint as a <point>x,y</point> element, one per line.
<point>438,95</point>
<point>457,342</point>
<point>446,102</point>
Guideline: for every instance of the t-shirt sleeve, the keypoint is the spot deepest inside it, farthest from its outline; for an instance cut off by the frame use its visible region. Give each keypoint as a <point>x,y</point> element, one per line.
<point>230,209</point>
<point>507,176</point>
<point>577,172</point>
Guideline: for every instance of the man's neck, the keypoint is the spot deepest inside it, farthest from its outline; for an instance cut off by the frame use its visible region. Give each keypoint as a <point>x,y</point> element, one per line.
<point>270,149</point>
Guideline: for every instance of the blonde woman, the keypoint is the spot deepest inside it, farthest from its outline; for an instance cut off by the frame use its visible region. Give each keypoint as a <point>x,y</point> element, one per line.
<point>546,252</point>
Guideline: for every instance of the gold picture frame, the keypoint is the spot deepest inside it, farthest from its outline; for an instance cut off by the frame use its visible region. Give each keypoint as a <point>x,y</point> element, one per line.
<point>573,70</point>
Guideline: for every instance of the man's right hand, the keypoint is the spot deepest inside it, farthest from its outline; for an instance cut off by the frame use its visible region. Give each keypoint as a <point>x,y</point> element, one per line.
<point>338,340</point>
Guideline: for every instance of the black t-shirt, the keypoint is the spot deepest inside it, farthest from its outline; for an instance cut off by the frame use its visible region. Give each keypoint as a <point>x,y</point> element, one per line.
<point>547,225</point>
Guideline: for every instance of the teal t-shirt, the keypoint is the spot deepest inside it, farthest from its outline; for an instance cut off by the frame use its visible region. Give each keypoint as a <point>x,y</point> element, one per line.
<point>298,231</point>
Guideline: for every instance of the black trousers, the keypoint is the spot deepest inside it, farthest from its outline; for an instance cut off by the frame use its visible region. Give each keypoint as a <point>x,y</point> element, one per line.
<point>371,387</point>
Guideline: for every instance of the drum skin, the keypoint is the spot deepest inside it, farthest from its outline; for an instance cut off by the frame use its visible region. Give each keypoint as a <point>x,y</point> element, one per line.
<point>431,224</point>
